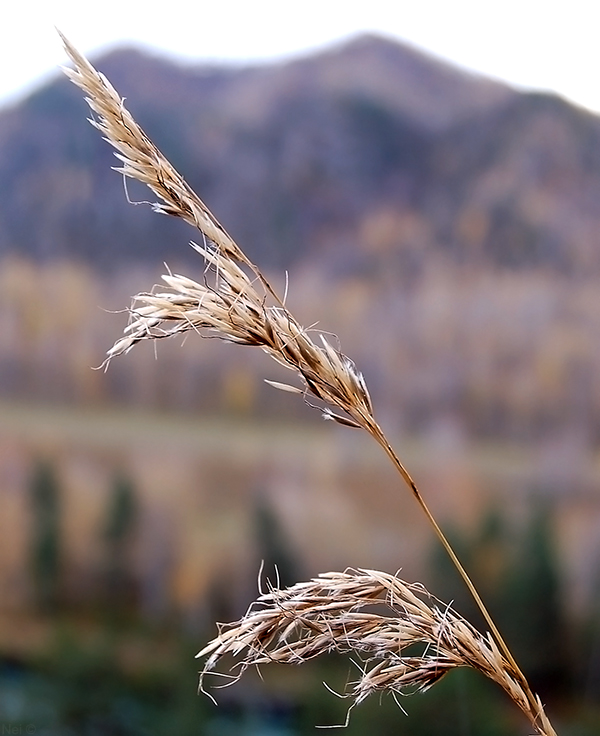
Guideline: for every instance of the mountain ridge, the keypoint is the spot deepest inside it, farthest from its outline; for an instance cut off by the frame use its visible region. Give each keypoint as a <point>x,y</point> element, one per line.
<point>294,158</point>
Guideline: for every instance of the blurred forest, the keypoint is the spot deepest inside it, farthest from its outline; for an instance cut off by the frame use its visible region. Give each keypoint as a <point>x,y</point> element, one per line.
<point>446,230</point>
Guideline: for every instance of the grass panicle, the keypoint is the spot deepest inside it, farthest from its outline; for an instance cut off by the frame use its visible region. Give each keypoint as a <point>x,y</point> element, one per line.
<point>334,613</point>
<point>235,302</point>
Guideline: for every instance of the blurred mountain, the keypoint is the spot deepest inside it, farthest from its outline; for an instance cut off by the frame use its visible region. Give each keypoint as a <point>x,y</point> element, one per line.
<point>520,187</point>
<point>370,141</point>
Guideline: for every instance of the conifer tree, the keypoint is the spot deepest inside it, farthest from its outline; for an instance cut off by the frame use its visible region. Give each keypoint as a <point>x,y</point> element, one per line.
<point>45,556</point>
<point>118,531</point>
<point>533,618</point>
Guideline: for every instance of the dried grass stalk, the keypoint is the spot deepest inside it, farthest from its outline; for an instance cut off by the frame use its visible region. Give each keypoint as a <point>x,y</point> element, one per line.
<point>140,157</point>
<point>235,302</point>
<point>232,305</point>
<point>331,614</point>
<point>227,305</point>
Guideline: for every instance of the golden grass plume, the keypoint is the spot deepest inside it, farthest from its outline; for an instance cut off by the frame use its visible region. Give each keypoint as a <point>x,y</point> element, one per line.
<point>331,613</point>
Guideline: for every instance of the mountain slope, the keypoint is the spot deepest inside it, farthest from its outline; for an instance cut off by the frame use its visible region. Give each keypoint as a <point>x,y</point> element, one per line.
<point>297,159</point>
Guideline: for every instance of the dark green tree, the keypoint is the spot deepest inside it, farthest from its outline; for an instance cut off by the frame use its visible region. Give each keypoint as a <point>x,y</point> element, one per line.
<point>532,616</point>
<point>484,552</point>
<point>117,534</point>
<point>589,647</point>
<point>274,549</point>
<point>45,553</point>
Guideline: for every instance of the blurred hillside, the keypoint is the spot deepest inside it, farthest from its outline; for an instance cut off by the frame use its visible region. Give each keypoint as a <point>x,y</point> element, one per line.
<point>297,158</point>
<point>292,157</point>
<point>456,216</point>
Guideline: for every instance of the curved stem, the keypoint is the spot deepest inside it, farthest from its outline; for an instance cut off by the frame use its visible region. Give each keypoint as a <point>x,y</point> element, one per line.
<point>536,714</point>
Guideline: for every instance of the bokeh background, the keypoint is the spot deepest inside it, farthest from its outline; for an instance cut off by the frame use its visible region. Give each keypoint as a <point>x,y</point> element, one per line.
<point>445,228</point>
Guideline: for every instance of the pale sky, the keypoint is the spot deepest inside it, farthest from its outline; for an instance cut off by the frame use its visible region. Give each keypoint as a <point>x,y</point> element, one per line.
<point>534,44</point>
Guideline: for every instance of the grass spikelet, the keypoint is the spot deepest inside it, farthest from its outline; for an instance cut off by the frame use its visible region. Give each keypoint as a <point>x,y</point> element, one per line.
<point>333,612</point>
<point>227,304</point>
<point>140,158</point>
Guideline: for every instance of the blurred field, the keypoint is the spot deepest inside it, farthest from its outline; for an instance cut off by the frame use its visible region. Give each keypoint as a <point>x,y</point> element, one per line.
<point>326,500</point>
<point>198,483</point>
